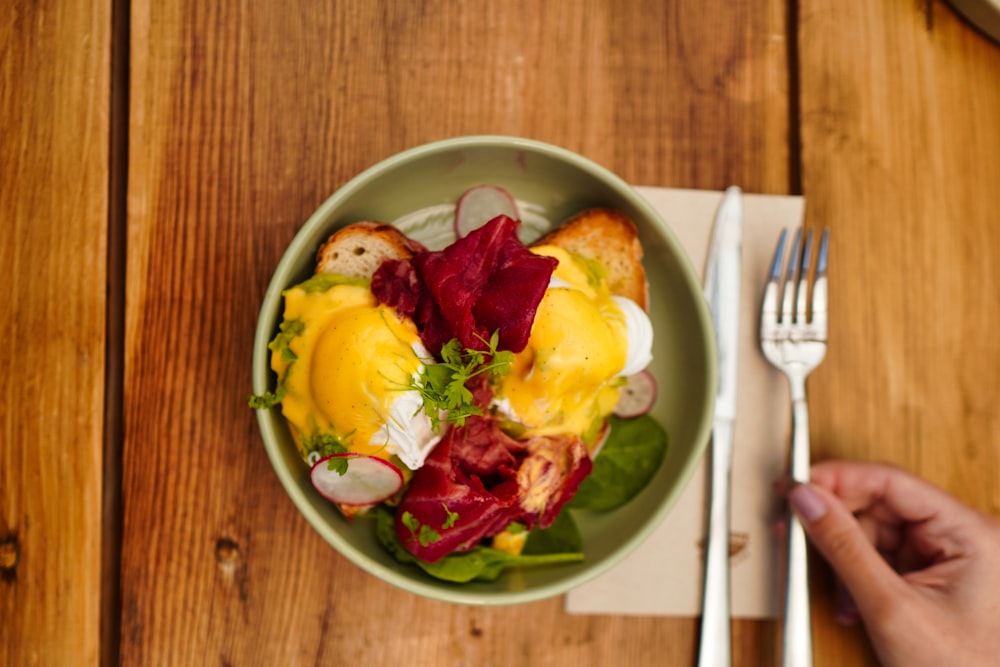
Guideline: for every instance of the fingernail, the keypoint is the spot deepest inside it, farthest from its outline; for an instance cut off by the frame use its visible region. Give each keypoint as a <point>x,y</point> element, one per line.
<point>808,504</point>
<point>847,613</point>
<point>847,610</point>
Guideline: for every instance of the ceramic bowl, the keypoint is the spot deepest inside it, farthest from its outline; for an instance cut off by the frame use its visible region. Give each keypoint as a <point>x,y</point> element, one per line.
<point>417,190</point>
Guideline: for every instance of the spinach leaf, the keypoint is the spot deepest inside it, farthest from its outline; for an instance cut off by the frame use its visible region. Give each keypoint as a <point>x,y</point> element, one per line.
<point>561,536</point>
<point>385,532</point>
<point>486,564</point>
<point>478,564</point>
<point>625,464</point>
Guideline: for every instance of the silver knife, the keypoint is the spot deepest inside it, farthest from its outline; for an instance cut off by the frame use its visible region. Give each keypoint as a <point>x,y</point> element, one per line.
<point>722,290</point>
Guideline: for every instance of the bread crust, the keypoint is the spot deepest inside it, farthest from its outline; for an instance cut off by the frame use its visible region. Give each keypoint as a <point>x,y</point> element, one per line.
<point>610,237</point>
<point>358,249</point>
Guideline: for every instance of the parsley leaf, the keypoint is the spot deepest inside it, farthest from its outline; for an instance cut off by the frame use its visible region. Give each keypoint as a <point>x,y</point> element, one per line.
<point>442,386</point>
<point>452,517</point>
<point>265,401</point>
<point>420,531</point>
<point>327,444</point>
<point>288,329</point>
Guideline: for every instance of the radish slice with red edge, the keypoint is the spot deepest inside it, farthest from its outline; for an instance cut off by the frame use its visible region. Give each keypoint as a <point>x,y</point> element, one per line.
<point>480,204</point>
<point>368,479</point>
<point>637,395</point>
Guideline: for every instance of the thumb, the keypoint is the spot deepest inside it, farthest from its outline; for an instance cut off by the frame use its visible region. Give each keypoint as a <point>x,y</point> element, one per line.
<point>837,535</point>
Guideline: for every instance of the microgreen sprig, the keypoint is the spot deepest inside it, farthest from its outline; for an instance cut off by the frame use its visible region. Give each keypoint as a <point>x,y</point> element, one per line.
<point>442,386</point>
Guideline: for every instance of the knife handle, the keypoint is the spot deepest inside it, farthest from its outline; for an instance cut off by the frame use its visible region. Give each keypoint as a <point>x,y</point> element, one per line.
<point>715,643</point>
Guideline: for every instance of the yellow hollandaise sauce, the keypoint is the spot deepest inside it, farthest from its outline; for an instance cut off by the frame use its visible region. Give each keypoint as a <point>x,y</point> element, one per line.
<point>565,381</point>
<point>349,360</point>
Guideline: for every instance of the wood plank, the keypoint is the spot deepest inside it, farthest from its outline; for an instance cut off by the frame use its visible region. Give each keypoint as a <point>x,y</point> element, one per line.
<point>901,155</point>
<point>244,117</point>
<point>54,99</point>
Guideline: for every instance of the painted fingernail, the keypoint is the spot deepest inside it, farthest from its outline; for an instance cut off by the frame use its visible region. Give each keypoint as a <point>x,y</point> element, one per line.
<point>808,504</point>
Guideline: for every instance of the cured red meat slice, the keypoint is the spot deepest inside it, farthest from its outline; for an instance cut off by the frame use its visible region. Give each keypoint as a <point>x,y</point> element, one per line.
<point>455,506</point>
<point>549,477</point>
<point>478,480</point>
<point>484,282</point>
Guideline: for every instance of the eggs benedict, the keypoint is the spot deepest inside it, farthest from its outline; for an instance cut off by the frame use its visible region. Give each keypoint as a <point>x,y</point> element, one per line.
<point>583,342</point>
<point>347,369</point>
<point>585,338</point>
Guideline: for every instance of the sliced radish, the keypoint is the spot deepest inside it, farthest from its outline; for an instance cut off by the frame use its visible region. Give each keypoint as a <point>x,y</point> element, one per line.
<point>636,396</point>
<point>368,479</point>
<point>480,204</point>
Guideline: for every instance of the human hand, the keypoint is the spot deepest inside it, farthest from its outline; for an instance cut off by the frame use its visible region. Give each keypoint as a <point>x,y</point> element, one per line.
<point>922,569</point>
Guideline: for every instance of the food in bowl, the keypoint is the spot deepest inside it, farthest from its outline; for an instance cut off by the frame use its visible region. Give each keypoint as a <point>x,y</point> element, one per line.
<point>463,396</point>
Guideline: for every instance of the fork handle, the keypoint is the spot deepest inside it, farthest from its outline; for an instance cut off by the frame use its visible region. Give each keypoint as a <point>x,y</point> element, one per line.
<point>797,636</point>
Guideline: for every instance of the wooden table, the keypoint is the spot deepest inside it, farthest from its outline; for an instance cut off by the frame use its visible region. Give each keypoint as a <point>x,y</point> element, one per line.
<point>157,158</point>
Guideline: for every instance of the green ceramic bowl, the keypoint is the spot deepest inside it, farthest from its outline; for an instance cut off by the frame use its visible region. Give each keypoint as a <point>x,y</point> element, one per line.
<point>416,190</point>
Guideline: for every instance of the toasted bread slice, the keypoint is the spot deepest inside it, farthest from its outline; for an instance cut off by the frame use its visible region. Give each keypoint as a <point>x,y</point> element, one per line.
<point>610,237</point>
<point>358,249</point>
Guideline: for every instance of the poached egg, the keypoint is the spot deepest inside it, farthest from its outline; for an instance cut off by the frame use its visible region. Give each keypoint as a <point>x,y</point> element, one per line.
<point>346,371</point>
<point>583,343</point>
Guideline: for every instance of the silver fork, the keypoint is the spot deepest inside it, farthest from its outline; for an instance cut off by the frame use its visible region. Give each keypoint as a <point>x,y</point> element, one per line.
<point>795,343</point>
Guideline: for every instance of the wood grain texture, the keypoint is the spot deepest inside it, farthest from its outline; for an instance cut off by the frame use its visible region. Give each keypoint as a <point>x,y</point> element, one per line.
<point>244,118</point>
<point>901,159</point>
<point>54,88</point>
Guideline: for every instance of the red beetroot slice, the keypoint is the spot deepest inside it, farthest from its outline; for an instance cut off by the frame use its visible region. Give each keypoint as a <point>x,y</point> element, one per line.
<point>480,204</point>
<point>368,479</point>
<point>636,397</point>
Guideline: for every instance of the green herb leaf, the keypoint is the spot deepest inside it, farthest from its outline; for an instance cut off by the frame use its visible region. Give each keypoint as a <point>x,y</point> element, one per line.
<point>427,535</point>
<point>442,386</point>
<point>337,464</point>
<point>410,521</point>
<point>451,518</point>
<point>324,445</point>
<point>421,532</point>
<point>265,401</point>
<point>516,528</point>
<point>287,330</point>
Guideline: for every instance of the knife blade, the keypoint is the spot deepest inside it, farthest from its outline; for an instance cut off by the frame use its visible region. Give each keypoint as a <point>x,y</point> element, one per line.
<point>722,291</point>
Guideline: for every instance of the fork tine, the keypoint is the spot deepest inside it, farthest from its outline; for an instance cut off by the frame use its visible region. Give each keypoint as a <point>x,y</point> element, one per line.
<point>779,255</point>
<point>802,291</point>
<point>819,287</point>
<point>823,251</point>
<point>769,308</point>
<point>788,294</point>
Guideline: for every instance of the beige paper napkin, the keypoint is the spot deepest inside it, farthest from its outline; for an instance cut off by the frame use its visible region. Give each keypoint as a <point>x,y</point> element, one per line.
<point>663,576</point>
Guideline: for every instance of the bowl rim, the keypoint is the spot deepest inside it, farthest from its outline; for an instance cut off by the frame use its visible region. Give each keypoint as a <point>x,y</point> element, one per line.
<point>441,591</point>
